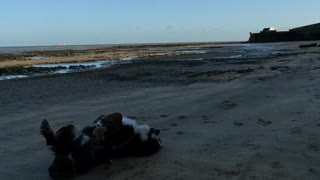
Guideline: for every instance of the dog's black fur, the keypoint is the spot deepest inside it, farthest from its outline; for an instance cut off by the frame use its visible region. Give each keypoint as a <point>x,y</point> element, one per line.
<point>73,156</point>
<point>62,167</point>
<point>134,146</point>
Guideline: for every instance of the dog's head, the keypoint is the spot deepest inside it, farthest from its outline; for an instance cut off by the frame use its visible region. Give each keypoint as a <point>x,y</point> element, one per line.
<point>151,146</point>
<point>62,141</point>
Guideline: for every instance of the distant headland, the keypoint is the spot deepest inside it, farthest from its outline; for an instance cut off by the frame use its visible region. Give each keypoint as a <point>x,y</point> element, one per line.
<point>304,33</point>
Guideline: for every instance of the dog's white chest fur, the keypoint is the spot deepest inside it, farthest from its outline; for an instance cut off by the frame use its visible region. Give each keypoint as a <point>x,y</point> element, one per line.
<point>141,130</point>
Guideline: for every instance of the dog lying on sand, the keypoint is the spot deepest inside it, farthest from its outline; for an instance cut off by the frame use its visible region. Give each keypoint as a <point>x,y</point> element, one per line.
<point>125,136</point>
<point>109,136</point>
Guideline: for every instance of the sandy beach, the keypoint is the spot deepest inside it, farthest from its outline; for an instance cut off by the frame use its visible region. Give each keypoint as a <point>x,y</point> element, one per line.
<point>237,119</point>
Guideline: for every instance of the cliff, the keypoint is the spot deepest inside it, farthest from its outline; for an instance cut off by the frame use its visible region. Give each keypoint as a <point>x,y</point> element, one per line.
<point>304,33</point>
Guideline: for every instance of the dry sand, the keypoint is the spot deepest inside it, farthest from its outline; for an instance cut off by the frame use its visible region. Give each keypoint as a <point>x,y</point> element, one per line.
<point>257,124</point>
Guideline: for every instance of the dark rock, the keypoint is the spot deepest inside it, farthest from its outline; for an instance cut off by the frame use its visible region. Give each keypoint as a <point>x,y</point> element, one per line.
<point>243,71</point>
<point>22,70</point>
<point>229,105</point>
<point>182,117</point>
<point>280,68</point>
<point>174,124</point>
<point>238,124</point>
<point>308,45</point>
<point>264,122</point>
<point>81,67</point>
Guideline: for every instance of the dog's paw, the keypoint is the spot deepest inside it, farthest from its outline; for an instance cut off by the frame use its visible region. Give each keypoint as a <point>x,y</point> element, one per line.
<point>45,127</point>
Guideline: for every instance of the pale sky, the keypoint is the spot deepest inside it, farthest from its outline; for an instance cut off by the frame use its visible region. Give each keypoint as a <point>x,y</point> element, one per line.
<point>51,22</point>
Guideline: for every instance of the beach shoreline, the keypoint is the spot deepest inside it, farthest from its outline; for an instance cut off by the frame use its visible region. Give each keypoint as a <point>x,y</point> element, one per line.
<point>42,62</point>
<point>234,118</point>
<point>112,52</point>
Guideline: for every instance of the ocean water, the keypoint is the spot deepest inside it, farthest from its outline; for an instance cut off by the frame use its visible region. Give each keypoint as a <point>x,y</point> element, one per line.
<point>21,49</point>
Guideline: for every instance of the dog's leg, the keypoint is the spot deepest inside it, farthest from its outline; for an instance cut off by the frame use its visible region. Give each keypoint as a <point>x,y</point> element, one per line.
<point>62,168</point>
<point>47,132</point>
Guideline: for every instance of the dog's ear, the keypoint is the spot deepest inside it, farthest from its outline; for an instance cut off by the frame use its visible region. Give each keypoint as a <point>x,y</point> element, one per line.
<point>114,119</point>
<point>47,132</point>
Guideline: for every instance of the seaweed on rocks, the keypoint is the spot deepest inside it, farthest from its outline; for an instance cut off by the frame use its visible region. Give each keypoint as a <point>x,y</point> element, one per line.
<point>23,70</point>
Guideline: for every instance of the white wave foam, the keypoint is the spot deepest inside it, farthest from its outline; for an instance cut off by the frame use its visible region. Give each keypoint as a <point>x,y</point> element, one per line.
<point>12,77</point>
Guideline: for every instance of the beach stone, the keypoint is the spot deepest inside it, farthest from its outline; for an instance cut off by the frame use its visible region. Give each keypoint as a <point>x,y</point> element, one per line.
<point>81,67</point>
<point>264,122</point>
<point>308,45</point>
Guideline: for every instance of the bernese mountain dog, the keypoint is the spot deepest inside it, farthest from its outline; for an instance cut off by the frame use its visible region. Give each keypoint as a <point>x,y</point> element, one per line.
<point>109,136</point>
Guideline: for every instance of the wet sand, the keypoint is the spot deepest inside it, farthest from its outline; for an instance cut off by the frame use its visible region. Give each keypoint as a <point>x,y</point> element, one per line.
<point>248,119</point>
